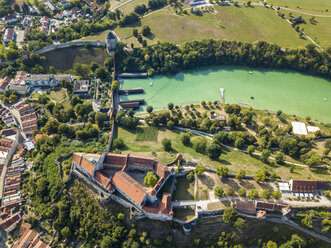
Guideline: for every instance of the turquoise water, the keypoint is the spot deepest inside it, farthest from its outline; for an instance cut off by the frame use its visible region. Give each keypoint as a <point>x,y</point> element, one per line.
<point>289,91</point>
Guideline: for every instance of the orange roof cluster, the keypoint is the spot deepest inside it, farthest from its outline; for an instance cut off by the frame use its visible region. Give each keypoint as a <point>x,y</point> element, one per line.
<point>30,239</point>
<point>28,117</point>
<point>304,186</point>
<point>8,223</point>
<point>164,206</point>
<point>86,160</point>
<point>271,206</point>
<point>4,82</point>
<point>6,116</point>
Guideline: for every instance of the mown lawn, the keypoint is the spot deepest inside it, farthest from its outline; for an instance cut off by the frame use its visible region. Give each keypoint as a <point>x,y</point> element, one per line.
<point>101,36</point>
<point>146,134</point>
<point>58,94</point>
<point>184,189</point>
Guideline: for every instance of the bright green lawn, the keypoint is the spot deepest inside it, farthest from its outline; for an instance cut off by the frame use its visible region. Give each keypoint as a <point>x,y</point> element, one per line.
<point>101,36</point>
<point>129,7</point>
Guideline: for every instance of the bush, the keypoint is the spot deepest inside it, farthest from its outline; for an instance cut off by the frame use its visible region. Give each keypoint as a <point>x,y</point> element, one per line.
<point>218,191</point>
<point>250,149</point>
<point>118,143</point>
<point>239,143</point>
<point>230,215</point>
<point>230,191</point>
<point>199,170</point>
<point>266,194</point>
<point>222,171</point>
<point>279,157</point>
<point>242,192</point>
<point>166,143</point>
<point>253,194</point>
<point>277,194</point>
<point>170,124</point>
<point>149,109</point>
<point>260,176</point>
<point>240,175</point>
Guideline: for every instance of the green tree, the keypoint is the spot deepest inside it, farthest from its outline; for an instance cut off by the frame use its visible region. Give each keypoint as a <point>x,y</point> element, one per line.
<point>190,176</point>
<point>242,192</point>
<point>218,191</point>
<point>266,194</point>
<point>146,30</point>
<point>277,194</point>
<point>307,221</point>
<point>271,244</point>
<point>170,106</point>
<point>170,124</point>
<point>222,171</point>
<point>118,143</point>
<point>250,149</point>
<point>106,242</point>
<point>199,170</point>
<point>166,143</point>
<point>239,143</point>
<point>185,138</point>
<point>114,85</point>
<point>230,215</point>
<point>150,179</point>
<point>213,151</point>
<point>279,157</point>
<point>52,126</point>
<point>94,66</point>
<point>265,155</point>
<point>65,232</point>
<point>100,119</point>
<point>239,223</point>
<point>230,191</point>
<point>149,109</point>
<point>253,194</point>
<point>240,175</point>
<point>260,176</point>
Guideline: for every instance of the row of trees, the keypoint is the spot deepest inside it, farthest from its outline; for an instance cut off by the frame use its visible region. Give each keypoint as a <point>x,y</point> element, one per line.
<point>169,58</point>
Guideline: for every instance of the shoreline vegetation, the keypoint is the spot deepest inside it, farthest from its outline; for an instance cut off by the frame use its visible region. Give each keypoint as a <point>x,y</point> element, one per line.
<point>168,58</point>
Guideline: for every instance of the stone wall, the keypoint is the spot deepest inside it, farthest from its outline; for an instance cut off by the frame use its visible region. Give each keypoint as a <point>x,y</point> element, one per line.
<point>70,44</point>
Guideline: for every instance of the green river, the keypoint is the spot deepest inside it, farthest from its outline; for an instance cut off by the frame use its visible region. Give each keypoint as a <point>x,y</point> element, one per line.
<point>289,91</point>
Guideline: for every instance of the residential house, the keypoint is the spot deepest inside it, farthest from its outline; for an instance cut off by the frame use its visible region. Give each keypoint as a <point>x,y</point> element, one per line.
<point>20,89</point>
<point>81,88</point>
<point>7,117</point>
<point>32,10</point>
<point>4,83</point>
<point>27,21</point>
<point>50,6</point>
<point>10,35</point>
<point>10,19</point>
<point>64,4</point>
<point>29,239</point>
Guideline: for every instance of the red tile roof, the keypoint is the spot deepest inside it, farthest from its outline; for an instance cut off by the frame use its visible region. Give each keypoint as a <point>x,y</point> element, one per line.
<point>140,161</point>
<point>30,239</point>
<point>116,159</point>
<point>304,186</point>
<point>82,160</point>
<point>7,132</point>
<point>4,82</point>
<point>103,178</point>
<point>129,186</point>
<point>164,206</point>
<point>10,221</point>
<point>162,170</point>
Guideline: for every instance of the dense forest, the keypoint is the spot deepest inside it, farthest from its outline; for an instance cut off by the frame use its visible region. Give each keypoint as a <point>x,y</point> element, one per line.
<point>170,58</point>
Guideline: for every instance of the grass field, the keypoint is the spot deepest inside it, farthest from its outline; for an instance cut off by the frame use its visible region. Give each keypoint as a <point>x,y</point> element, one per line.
<point>147,134</point>
<point>234,160</point>
<point>304,4</point>
<point>184,213</point>
<point>58,94</point>
<point>184,189</point>
<point>319,30</point>
<point>101,36</point>
<point>64,59</point>
<point>232,23</point>
<point>218,205</point>
<point>129,7</point>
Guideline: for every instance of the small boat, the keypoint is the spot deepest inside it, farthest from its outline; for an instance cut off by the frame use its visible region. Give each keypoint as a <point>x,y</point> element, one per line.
<point>250,72</point>
<point>324,99</point>
<point>150,84</point>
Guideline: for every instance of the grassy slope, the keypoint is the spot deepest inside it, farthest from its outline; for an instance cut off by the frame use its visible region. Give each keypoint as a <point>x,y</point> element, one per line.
<point>243,23</point>
<point>129,7</point>
<point>304,4</point>
<point>65,59</point>
<point>319,31</point>
<point>234,160</point>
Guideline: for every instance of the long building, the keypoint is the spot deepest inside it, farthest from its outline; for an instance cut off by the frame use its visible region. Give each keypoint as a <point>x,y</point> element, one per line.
<point>123,174</point>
